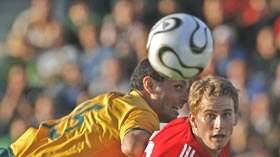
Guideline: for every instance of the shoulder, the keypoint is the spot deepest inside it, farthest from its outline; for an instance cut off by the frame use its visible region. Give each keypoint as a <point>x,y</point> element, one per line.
<point>175,129</point>
<point>107,97</point>
<point>134,100</point>
<point>177,123</point>
<point>171,140</point>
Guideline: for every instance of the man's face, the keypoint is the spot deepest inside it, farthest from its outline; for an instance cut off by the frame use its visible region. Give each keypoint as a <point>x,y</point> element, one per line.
<point>213,124</point>
<point>171,95</point>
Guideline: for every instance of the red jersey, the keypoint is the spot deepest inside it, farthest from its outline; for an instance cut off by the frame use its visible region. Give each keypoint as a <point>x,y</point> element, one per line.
<point>177,140</point>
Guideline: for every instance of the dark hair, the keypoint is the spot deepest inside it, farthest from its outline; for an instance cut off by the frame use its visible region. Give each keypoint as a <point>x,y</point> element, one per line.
<point>143,69</point>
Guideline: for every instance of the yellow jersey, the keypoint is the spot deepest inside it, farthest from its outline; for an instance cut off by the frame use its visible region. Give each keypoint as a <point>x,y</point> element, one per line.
<point>94,128</point>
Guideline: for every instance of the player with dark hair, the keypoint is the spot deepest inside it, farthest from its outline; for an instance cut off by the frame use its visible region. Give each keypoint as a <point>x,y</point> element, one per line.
<point>109,125</point>
<point>213,105</point>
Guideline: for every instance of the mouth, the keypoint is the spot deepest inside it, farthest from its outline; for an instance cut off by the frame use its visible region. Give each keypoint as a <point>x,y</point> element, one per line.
<point>219,137</point>
<point>177,107</point>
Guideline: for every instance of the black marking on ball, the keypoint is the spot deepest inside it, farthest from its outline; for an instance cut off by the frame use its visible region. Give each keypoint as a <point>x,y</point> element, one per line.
<point>165,22</point>
<point>196,49</point>
<point>166,49</point>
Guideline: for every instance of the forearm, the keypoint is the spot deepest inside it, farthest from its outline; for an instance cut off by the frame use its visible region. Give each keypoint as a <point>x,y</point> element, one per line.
<point>135,142</point>
<point>7,108</point>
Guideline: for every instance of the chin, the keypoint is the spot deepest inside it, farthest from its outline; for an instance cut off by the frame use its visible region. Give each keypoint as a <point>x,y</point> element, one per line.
<point>218,146</point>
<point>169,118</point>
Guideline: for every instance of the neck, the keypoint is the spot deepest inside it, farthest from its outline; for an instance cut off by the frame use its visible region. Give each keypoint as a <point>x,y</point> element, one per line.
<point>214,153</point>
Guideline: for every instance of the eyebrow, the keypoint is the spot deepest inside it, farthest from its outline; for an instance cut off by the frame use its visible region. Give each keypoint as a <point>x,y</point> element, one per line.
<point>225,110</point>
<point>186,82</point>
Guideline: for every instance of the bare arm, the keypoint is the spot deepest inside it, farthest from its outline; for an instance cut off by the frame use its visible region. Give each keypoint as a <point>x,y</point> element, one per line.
<point>135,142</point>
<point>8,106</point>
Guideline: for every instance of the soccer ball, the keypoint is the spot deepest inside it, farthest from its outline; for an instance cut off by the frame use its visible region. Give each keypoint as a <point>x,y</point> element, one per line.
<point>180,46</point>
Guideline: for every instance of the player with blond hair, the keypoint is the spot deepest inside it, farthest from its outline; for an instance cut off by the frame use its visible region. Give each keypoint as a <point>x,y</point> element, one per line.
<point>213,104</point>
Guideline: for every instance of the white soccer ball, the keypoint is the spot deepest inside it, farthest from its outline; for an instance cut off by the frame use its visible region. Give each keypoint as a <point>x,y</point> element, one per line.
<point>180,46</point>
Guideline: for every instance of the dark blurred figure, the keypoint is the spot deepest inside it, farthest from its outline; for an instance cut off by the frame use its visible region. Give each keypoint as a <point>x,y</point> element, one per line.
<point>70,89</point>
<point>37,24</point>
<point>79,13</point>
<point>15,102</point>
<point>111,78</point>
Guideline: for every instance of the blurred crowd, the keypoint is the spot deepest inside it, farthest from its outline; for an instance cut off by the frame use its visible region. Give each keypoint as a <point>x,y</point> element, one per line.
<point>55,59</point>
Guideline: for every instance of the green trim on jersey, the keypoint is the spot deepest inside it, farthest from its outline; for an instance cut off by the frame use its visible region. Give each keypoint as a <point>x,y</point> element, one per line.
<point>6,152</point>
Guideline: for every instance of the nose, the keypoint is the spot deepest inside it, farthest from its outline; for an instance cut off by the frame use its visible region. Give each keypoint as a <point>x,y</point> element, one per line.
<point>185,93</point>
<point>184,99</point>
<point>218,123</point>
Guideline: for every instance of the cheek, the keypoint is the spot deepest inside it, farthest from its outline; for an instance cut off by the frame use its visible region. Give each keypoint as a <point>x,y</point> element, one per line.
<point>167,98</point>
<point>162,98</point>
<point>230,123</point>
<point>203,126</point>
<point>160,94</point>
<point>174,97</point>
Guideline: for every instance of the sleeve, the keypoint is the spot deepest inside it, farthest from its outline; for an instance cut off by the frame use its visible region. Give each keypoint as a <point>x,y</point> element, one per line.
<point>25,142</point>
<point>141,119</point>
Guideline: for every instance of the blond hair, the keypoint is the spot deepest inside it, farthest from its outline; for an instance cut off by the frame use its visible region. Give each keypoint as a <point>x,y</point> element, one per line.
<point>211,87</point>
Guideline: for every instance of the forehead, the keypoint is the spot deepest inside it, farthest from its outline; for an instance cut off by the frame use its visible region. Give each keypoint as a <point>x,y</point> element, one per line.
<point>217,104</point>
<point>172,81</point>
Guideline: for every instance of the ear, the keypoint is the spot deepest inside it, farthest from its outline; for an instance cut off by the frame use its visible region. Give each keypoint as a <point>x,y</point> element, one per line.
<point>148,84</point>
<point>192,120</point>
